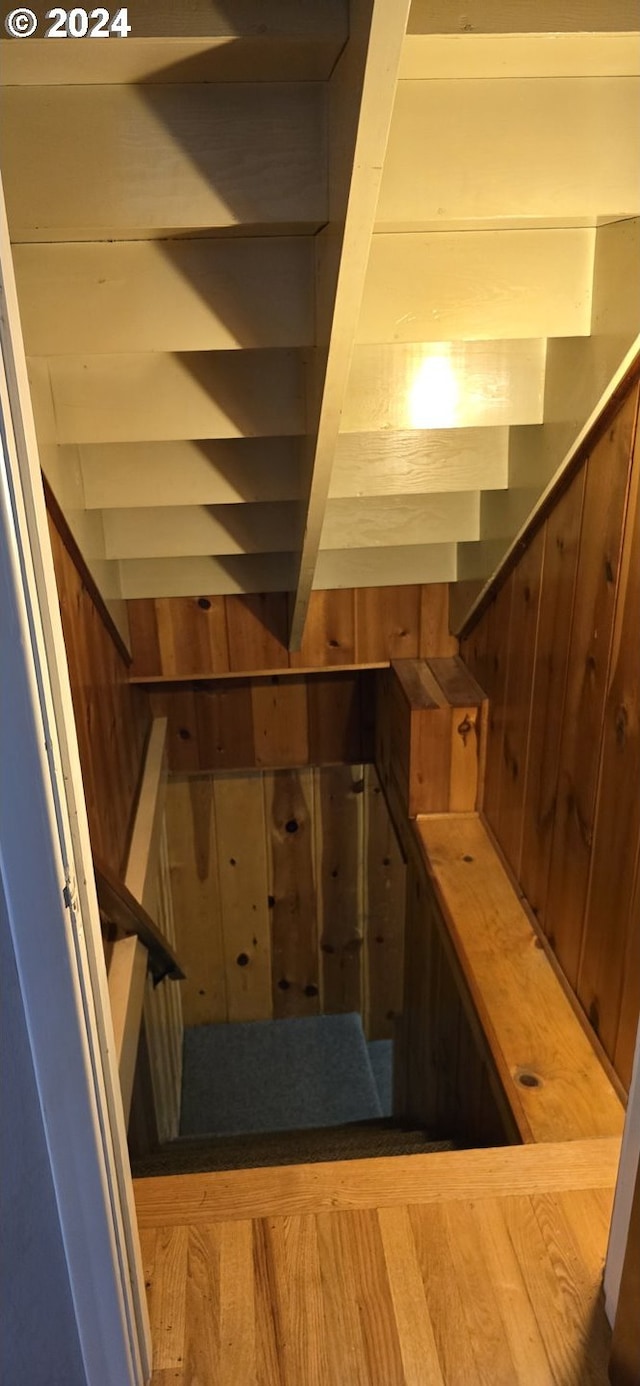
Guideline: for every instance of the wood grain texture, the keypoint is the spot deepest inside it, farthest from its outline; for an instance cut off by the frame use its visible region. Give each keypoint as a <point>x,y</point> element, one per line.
<point>192,843</point>
<point>339,806</point>
<point>288,895</point>
<point>111,717</point>
<point>440,286</point>
<point>596,586</point>
<point>384,914</point>
<point>521,653</point>
<point>494,675</point>
<point>409,385</point>
<point>208,636</point>
<point>428,734</point>
<point>127,971</point>
<point>242,875</point>
<point>528,1020</point>
<point>330,632</point>
<point>453,1289</point>
<point>547,699</point>
<point>419,460</point>
<point>577,807</point>
<point>609,924</point>
<point>388,1182</point>
<point>270,723</point>
<point>295,971</point>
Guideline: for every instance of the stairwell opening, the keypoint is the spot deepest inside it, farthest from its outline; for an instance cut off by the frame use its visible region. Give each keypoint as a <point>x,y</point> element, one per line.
<point>288,889</point>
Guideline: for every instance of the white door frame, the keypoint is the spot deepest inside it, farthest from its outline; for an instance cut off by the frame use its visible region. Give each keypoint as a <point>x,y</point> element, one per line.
<point>625,1184</point>
<point>47,873</point>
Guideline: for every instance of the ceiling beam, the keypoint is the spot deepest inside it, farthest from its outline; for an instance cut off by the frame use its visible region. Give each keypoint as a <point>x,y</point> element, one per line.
<point>361,96</point>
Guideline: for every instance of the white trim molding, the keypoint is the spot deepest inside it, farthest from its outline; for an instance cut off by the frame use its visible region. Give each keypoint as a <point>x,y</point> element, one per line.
<point>46,866</point>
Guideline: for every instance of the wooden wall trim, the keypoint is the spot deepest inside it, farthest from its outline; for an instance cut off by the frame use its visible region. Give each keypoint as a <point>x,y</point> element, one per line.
<point>57,517</point>
<point>548,502</point>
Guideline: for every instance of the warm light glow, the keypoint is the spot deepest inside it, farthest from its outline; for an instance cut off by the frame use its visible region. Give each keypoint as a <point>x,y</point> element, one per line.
<point>433,398</point>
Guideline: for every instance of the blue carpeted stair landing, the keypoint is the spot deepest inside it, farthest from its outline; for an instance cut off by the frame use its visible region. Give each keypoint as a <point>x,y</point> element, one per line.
<point>282,1075</point>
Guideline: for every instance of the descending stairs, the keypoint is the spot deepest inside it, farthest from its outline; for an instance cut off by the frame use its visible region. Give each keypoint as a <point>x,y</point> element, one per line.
<point>359,1140</point>
<point>283,1092</point>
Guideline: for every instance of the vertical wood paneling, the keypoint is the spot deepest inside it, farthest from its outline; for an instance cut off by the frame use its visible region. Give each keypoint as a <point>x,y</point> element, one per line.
<point>435,637</point>
<point>314,852</point>
<point>498,620</point>
<point>579,806</point>
<point>330,631</point>
<point>275,722</point>
<point>608,921</point>
<point>388,621</point>
<point>111,717</point>
<point>598,563</point>
<point>198,641</point>
<point>523,630</point>
<point>225,729</point>
<point>206,637</point>
<point>339,805</point>
<point>144,637</point>
<point>549,680</point>
<point>280,721</point>
<point>384,887</point>
<point>193,861</point>
<point>256,631</point>
<point>243,879</point>
<point>335,718</point>
<point>292,895</point>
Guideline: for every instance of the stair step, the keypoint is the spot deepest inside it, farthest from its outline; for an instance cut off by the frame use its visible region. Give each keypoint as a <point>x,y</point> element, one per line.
<point>359,1140</point>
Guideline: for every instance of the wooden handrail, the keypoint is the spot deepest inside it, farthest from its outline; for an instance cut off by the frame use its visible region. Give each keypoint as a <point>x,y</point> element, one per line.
<point>120,908</point>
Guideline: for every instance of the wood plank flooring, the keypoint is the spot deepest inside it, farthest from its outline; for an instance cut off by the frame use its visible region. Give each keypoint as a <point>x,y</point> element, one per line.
<point>455,1279</point>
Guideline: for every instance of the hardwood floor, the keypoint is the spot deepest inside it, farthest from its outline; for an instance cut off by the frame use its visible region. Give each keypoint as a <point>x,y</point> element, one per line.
<point>450,1278</point>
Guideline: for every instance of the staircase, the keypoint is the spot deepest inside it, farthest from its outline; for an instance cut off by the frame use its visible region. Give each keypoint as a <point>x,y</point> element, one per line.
<point>280,1092</point>
<point>357,1141</point>
<point>221,325</point>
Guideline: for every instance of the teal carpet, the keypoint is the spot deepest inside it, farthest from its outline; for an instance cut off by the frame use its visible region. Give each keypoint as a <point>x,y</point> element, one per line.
<point>282,1075</point>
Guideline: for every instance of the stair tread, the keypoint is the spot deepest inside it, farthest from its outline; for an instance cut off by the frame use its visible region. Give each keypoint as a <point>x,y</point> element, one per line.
<point>362,1140</point>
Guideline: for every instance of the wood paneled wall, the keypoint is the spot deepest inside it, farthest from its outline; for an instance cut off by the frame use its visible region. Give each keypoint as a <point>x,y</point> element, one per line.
<point>112,718</point>
<point>558,653</point>
<point>288,895</point>
<point>208,637</point>
<point>268,723</point>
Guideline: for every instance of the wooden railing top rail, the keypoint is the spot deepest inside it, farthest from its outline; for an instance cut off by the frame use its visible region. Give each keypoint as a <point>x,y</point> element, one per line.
<point>121,909</point>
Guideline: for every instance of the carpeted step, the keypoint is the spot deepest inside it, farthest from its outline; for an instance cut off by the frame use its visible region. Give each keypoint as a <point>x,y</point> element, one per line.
<point>277,1075</point>
<point>357,1141</point>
